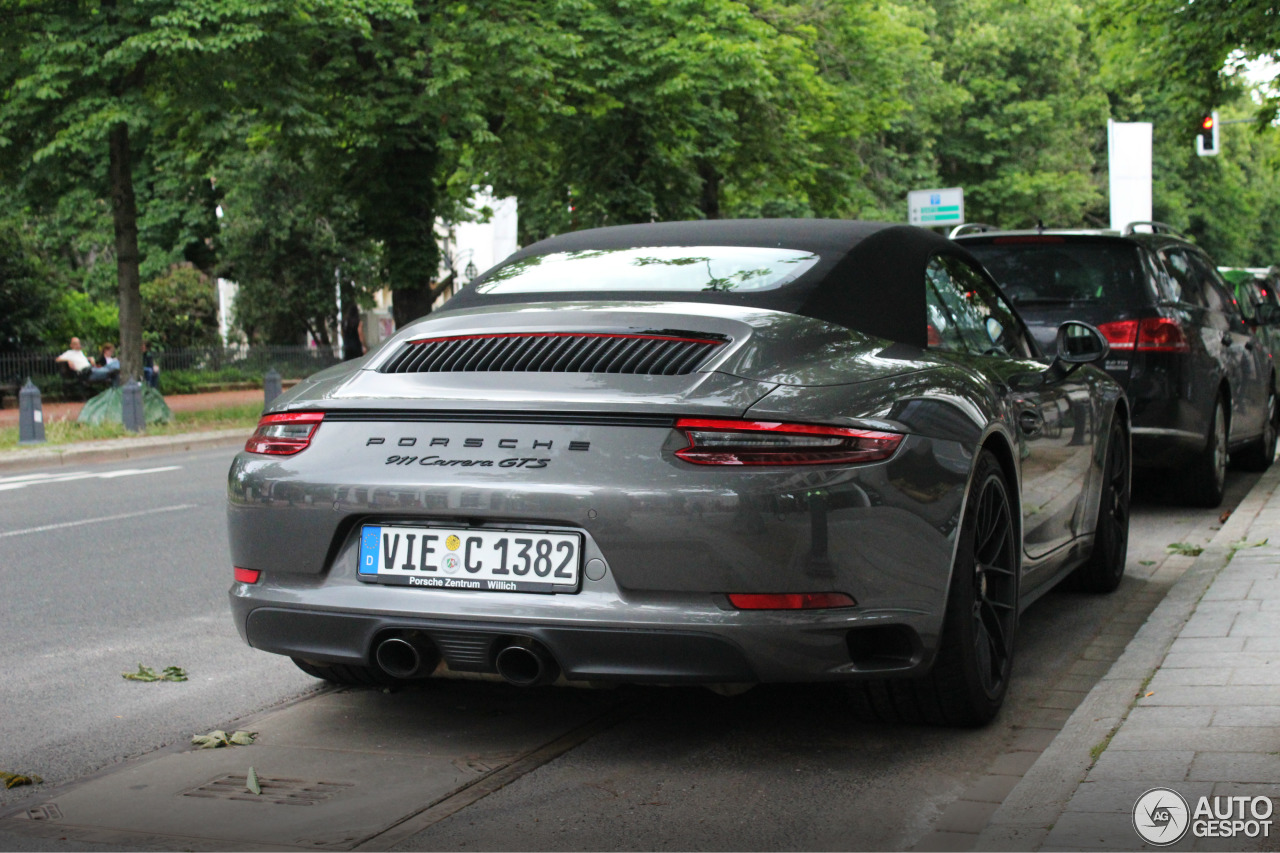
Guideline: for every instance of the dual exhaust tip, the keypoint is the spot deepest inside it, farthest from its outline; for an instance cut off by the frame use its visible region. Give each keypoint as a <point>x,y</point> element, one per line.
<point>522,662</point>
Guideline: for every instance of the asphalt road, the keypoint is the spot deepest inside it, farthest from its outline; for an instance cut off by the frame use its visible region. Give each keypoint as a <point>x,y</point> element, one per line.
<point>127,563</point>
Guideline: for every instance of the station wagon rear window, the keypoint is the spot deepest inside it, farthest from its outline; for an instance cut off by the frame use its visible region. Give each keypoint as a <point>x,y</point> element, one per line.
<point>1052,272</point>
<point>673,269</point>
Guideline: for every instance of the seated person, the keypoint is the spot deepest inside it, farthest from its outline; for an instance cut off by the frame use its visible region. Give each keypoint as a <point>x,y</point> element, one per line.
<point>150,371</point>
<point>108,366</point>
<point>75,359</point>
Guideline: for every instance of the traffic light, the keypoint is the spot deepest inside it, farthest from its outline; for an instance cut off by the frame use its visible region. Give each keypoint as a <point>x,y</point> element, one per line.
<point>1208,128</point>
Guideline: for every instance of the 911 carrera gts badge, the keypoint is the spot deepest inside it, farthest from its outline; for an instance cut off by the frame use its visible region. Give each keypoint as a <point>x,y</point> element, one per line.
<point>512,462</point>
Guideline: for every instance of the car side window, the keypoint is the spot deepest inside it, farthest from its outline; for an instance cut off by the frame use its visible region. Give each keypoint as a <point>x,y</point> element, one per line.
<point>967,322</point>
<point>1180,267</point>
<point>1002,331</point>
<point>943,330</point>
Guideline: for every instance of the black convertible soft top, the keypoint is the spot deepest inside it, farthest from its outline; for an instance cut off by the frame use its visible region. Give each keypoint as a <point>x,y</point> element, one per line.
<point>870,277</point>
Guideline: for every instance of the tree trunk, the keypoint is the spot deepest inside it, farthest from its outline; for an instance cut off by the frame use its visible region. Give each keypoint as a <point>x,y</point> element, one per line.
<point>352,346</point>
<point>124,214</point>
<point>709,203</point>
<point>398,186</point>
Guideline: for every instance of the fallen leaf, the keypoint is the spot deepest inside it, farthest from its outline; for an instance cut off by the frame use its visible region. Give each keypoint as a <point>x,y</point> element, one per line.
<point>1223,518</point>
<point>1152,693</point>
<point>251,782</point>
<point>13,780</point>
<point>219,738</point>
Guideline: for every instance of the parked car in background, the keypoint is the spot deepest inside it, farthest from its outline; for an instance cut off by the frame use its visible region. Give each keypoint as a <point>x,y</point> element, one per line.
<point>1201,384</point>
<point>692,452</point>
<point>1257,298</point>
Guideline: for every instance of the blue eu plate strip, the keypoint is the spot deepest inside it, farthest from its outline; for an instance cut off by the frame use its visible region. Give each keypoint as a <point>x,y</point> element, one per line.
<point>369,550</point>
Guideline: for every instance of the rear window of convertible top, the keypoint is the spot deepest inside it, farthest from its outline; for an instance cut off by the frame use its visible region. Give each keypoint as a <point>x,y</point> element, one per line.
<point>678,269</point>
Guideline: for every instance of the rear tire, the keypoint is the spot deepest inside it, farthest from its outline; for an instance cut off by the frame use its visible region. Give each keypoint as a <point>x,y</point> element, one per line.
<point>345,674</point>
<point>1207,478</point>
<point>1105,566</point>
<point>970,674</point>
<point>1259,455</point>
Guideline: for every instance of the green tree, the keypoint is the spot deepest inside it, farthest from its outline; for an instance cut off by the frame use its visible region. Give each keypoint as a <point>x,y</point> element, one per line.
<point>293,243</point>
<point>126,77</point>
<point>1025,142</point>
<point>25,294</point>
<point>180,309</point>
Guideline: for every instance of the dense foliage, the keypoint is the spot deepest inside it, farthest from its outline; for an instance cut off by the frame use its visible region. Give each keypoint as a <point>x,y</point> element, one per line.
<point>335,135</point>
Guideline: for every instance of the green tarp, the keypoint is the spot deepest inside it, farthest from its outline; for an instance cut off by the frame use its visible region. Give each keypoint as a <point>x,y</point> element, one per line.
<point>108,407</point>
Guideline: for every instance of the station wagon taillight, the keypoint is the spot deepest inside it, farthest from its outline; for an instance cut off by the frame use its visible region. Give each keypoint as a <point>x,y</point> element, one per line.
<point>284,434</point>
<point>733,442</point>
<point>1152,334</point>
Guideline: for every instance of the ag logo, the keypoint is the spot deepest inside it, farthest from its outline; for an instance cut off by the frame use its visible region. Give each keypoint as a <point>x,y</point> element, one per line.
<point>1161,816</point>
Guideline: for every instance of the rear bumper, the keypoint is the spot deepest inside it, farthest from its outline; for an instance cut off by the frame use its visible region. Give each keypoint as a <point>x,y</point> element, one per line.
<point>833,645</point>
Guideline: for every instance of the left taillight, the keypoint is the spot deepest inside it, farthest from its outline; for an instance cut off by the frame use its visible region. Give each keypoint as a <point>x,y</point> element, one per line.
<point>284,434</point>
<point>734,442</point>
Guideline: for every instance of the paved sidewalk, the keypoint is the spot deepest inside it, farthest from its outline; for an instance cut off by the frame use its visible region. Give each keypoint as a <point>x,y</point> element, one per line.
<point>1192,705</point>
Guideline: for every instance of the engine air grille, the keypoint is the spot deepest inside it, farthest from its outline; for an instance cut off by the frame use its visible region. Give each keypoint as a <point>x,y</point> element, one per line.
<point>555,352</point>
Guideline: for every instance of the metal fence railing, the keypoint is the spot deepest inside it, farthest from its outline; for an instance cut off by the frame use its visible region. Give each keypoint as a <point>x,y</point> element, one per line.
<point>291,362</point>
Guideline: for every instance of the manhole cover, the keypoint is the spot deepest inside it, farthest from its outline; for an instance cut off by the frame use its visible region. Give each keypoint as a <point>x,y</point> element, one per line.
<point>282,792</point>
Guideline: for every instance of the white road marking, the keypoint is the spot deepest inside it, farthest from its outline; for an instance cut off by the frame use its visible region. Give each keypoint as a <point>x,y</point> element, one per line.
<point>10,483</point>
<point>82,521</point>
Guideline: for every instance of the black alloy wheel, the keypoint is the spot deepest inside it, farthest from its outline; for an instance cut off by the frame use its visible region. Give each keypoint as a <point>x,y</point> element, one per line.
<point>1105,566</point>
<point>970,673</point>
<point>994,598</point>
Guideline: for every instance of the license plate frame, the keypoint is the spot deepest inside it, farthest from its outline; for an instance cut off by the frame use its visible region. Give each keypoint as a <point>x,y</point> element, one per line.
<point>471,559</point>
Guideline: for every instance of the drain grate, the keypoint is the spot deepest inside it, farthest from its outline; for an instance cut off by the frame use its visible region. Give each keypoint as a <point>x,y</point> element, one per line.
<point>49,811</point>
<point>280,792</point>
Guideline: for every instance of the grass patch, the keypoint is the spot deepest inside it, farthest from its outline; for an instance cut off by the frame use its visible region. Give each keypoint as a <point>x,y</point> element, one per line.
<point>1100,747</point>
<point>62,431</point>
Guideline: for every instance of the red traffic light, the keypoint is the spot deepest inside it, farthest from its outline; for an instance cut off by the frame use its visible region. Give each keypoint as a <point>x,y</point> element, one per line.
<point>1207,123</point>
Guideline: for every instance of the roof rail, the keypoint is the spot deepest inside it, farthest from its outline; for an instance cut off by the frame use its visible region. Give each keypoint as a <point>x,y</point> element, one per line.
<point>1156,228</point>
<point>971,228</point>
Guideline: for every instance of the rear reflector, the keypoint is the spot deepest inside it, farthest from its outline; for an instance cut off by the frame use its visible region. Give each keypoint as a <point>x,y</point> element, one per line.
<point>284,434</point>
<point>730,442</point>
<point>791,601</point>
<point>247,575</point>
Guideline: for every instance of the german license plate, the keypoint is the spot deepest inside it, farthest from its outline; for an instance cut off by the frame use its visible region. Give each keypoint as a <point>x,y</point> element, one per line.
<point>471,559</point>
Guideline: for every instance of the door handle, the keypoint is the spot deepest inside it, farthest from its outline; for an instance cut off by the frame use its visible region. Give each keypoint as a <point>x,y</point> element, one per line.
<point>1030,421</point>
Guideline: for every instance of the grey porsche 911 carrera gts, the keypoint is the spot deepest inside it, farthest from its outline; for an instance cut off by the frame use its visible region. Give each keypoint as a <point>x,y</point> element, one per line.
<point>721,453</point>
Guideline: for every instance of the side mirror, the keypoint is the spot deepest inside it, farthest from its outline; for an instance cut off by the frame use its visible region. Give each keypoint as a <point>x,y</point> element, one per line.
<point>1080,343</point>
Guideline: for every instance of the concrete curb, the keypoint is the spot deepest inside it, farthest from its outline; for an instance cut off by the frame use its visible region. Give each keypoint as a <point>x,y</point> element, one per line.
<point>1024,819</point>
<point>116,449</point>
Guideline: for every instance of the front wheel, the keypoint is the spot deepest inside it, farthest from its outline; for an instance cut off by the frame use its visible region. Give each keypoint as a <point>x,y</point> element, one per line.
<point>970,674</point>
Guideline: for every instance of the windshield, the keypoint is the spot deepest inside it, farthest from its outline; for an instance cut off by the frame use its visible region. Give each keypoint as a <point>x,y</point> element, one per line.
<point>1051,271</point>
<point>724,269</point>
